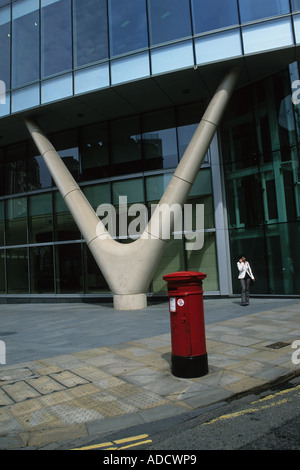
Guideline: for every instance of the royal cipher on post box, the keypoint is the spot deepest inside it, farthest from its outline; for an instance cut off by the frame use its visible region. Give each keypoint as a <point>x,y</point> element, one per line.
<point>189,356</point>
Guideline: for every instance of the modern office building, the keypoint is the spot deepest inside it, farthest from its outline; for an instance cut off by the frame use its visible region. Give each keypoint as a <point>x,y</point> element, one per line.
<point>119,88</point>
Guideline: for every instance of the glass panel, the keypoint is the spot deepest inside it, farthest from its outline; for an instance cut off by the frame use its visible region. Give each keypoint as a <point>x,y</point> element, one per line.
<point>127,26</point>
<point>15,169</point>
<point>97,194</point>
<point>94,152</point>
<point>57,88</point>
<point>208,16</point>
<point>218,46</point>
<point>129,223</point>
<point>17,271</point>
<point>172,260</point>
<point>1,223</point>
<point>25,98</point>
<point>40,218</point>
<point>5,38</point>
<point>168,20</point>
<point>16,221</point>
<point>91,78</point>
<point>41,270</point>
<point>94,279</point>
<point>66,144</point>
<point>37,172</point>
<point>68,262</point>
<point>90,31</point>
<point>2,272</point>
<point>25,43</point>
<point>155,187</point>
<point>295,5</point>
<point>172,57</point>
<point>205,261</point>
<point>159,140</point>
<point>131,189</point>
<point>268,35</point>
<point>126,146</point>
<point>2,172</point>
<point>255,9</point>
<point>65,227</point>
<point>130,68</point>
<point>56,37</point>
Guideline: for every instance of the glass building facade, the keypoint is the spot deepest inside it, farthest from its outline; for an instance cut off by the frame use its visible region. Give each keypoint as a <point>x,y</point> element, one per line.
<point>57,54</point>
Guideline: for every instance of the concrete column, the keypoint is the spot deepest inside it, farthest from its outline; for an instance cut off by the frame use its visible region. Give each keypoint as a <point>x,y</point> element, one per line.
<point>129,268</point>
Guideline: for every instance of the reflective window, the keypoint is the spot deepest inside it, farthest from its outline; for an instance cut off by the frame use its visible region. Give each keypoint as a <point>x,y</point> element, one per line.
<point>37,172</point>
<point>40,218</point>
<point>159,140</point>
<point>16,221</point>
<point>5,47</point>
<point>2,272</point>
<point>94,279</point>
<point>56,37</point>
<point>25,43</point>
<point>1,223</point>
<point>127,26</point>
<point>208,16</point>
<point>255,9</point>
<point>68,263</point>
<point>66,144</point>
<point>168,20</point>
<point>15,169</point>
<point>295,5</point>
<point>41,269</point>
<point>90,31</point>
<point>94,152</point>
<point>64,224</point>
<point>126,146</point>
<point>17,270</point>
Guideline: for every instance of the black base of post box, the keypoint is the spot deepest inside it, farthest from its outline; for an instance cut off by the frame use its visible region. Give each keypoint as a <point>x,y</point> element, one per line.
<point>189,367</point>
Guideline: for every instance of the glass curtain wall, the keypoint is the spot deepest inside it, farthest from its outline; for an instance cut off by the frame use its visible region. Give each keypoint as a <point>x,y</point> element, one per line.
<point>132,158</point>
<point>260,146</point>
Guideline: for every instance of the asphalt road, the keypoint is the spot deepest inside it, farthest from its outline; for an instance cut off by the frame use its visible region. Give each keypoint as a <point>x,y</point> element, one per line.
<point>268,420</point>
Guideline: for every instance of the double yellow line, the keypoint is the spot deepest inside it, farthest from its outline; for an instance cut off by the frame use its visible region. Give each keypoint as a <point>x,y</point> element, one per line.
<point>129,442</point>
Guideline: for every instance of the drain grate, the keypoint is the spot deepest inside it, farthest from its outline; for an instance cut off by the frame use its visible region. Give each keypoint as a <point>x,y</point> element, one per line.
<point>278,345</point>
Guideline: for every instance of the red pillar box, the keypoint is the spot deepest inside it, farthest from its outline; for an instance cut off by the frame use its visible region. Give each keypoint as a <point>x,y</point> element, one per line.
<point>189,356</point>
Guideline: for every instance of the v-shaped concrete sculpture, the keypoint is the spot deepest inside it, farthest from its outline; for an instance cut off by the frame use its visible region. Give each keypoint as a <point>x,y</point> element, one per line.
<point>129,268</point>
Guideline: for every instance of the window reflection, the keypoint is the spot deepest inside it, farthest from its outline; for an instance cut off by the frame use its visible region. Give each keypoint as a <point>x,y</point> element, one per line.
<point>127,26</point>
<point>255,9</point>
<point>40,218</point>
<point>126,146</point>
<point>38,174</point>
<point>68,263</point>
<point>17,270</point>
<point>5,38</point>
<point>295,4</point>
<point>159,140</point>
<point>15,169</point>
<point>56,37</point>
<point>208,16</point>
<point>90,31</point>
<point>94,152</point>
<point>168,20</point>
<point>25,44</point>
<point>41,270</point>
<point>16,221</point>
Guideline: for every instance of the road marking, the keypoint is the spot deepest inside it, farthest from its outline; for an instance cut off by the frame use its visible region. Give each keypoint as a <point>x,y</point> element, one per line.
<point>130,441</point>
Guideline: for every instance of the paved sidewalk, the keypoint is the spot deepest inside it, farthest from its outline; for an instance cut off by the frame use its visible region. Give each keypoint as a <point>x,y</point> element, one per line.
<point>77,371</point>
